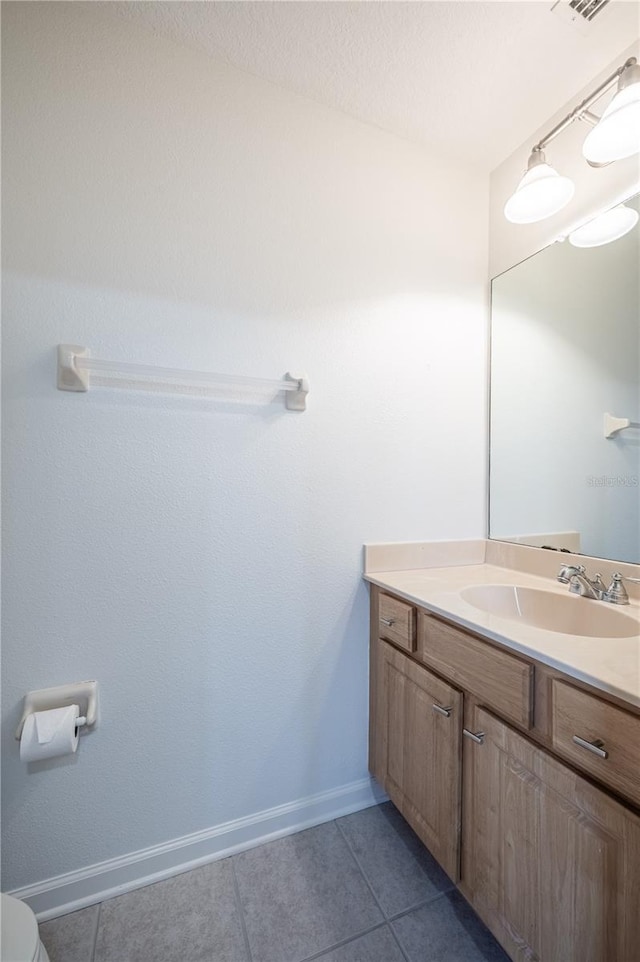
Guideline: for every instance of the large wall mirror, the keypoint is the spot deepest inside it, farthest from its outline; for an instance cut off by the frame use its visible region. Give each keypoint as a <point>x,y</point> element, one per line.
<point>565,351</point>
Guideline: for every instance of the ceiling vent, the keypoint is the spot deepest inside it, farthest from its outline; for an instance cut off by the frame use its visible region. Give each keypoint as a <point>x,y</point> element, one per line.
<point>581,13</point>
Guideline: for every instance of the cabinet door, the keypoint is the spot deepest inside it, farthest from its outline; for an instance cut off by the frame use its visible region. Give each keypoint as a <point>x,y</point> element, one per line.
<point>419,727</point>
<point>551,863</point>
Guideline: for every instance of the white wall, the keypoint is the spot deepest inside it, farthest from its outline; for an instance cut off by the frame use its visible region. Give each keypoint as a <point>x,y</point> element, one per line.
<point>202,560</point>
<point>596,189</point>
<point>565,350</point>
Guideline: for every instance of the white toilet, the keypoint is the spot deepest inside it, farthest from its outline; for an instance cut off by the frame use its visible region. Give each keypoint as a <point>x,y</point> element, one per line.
<point>19,939</point>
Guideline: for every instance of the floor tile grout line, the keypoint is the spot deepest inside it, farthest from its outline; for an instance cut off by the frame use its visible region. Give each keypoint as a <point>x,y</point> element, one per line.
<point>338,945</point>
<point>95,933</point>
<point>396,939</point>
<point>410,908</point>
<point>397,915</point>
<point>421,905</point>
<point>361,870</point>
<point>243,923</point>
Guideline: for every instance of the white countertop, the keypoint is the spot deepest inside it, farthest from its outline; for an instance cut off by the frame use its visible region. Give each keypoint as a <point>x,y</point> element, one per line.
<point>610,664</point>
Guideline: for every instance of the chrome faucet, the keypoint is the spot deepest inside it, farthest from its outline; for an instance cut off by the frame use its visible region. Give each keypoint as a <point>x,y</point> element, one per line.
<point>580,584</point>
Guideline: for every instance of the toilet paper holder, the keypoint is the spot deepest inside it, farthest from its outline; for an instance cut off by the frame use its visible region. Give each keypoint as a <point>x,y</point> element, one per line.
<point>84,694</point>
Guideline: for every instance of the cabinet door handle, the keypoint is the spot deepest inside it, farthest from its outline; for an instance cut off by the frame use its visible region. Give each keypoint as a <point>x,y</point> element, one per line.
<point>477,737</point>
<point>442,711</point>
<point>596,746</point>
<point>388,622</point>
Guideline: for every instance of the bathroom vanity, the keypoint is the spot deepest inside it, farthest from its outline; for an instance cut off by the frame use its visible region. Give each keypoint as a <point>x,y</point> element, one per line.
<point>512,750</point>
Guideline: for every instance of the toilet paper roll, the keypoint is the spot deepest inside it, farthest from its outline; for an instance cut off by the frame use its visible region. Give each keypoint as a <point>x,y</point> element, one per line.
<point>47,734</point>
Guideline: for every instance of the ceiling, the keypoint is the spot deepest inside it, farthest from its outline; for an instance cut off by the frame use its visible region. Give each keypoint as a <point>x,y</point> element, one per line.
<point>470,78</point>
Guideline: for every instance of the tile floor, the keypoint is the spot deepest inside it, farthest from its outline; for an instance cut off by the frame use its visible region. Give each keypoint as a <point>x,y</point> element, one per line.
<point>360,889</point>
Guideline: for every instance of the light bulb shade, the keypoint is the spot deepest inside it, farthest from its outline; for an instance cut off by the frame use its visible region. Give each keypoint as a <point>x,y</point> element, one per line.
<point>541,193</point>
<point>617,135</point>
<point>605,228</point>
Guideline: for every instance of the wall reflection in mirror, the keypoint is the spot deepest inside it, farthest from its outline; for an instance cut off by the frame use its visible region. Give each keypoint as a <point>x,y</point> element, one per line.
<point>565,351</point>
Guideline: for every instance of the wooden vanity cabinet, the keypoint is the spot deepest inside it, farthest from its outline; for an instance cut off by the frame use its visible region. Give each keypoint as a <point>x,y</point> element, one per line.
<point>397,622</point>
<point>550,862</point>
<point>581,723</point>
<point>549,859</point>
<point>418,758</point>
<point>502,680</point>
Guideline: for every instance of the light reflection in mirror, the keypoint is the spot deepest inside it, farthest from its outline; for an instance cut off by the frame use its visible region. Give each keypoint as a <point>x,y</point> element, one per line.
<point>565,349</point>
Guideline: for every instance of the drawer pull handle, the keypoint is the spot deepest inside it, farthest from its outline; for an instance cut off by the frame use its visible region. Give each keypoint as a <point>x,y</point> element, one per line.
<point>442,711</point>
<point>477,737</point>
<point>389,622</point>
<point>595,746</point>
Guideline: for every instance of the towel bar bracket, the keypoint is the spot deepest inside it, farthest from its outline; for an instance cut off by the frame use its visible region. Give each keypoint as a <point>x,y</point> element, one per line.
<point>613,425</point>
<point>69,377</point>
<point>297,400</point>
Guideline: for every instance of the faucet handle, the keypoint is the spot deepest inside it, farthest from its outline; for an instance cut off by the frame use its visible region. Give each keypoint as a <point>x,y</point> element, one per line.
<point>567,572</point>
<point>616,592</point>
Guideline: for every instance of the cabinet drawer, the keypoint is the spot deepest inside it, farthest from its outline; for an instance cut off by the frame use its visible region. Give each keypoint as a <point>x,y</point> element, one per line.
<point>612,732</point>
<point>499,680</point>
<point>397,622</point>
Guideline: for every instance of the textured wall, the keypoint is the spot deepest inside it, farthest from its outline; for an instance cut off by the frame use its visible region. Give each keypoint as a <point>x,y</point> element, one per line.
<point>202,560</point>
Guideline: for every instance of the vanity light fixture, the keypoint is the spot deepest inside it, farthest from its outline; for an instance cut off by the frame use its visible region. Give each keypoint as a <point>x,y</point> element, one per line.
<point>616,135</point>
<point>541,192</point>
<point>605,228</point>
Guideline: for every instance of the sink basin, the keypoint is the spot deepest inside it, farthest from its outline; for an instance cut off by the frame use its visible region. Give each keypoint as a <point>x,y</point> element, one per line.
<point>568,614</point>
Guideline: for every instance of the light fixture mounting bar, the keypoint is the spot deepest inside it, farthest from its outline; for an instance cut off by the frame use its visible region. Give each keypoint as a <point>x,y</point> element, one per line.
<point>581,111</point>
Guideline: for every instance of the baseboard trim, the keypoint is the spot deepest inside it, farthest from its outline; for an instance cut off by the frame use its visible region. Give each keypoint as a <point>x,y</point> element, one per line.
<point>94,883</point>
